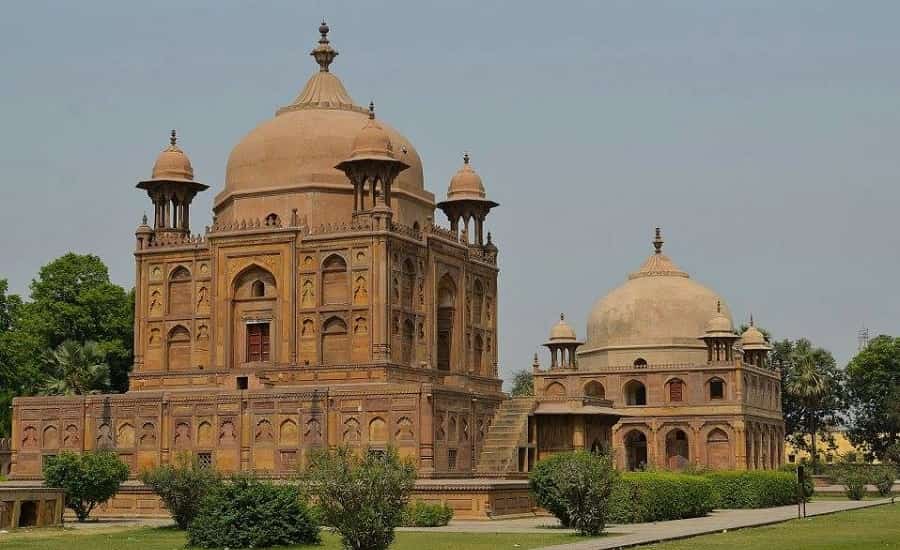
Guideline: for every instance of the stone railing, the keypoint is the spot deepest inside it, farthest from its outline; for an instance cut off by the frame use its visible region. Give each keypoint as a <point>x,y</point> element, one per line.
<point>405,230</point>
<point>169,240</point>
<point>444,233</point>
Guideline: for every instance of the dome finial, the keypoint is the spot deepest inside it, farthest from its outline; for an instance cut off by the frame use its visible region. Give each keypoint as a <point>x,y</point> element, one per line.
<point>751,320</point>
<point>658,242</point>
<point>465,157</point>
<point>562,316</point>
<point>173,138</point>
<point>371,110</point>
<point>718,306</point>
<point>324,54</point>
<point>144,219</point>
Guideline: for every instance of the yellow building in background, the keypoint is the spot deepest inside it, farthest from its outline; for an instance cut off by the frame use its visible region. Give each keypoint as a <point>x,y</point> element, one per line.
<point>828,453</point>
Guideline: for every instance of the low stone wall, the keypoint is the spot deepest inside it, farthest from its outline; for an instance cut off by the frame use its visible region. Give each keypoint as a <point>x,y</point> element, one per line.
<point>469,498</point>
<point>27,506</point>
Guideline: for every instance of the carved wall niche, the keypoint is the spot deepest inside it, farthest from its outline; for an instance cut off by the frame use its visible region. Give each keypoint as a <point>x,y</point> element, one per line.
<point>308,293</point>
<point>179,299</point>
<point>155,304</point>
<point>156,273</point>
<point>335,344</point>
<point>308,340</point>
<point>308,262</point>
<point>104,439</point>
<point>335,280</point>
<point>263,432</point>
<point>182,435</point>
<point>359,256</point>
<point>378,431</point>
<point>71,438</point>
<point>404,430</point>
<point>147,439</point>
<point>227,433</point>
<point>178,346</point>
<point>312,431</point>
<point>202,297</point>
<point>203,334</point>
<point>125,435</point>
<point>50,437</point>
<point>30,438</point>
<point>350,431</point>
<point>287,433</point>
<point>154,338</point>
<point>360,290</point>
<point>360,340</point>
<point>203,269</point>
<point>205,434</point>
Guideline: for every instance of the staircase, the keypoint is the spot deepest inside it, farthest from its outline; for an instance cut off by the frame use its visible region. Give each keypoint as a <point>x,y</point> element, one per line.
<point>500,450</point>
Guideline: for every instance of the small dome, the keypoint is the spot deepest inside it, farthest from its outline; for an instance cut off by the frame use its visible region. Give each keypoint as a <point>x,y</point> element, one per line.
<point>143,229</point>
<point>465,184</point>
<point>172,164</point>
<point>753,338</point>
<point>562,332</point>
<point>372,142</point>
<point>719,324</point>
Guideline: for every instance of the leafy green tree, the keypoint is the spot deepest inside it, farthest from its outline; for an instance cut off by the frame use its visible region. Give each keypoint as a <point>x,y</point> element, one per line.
<point>812,393</point>
<point>182,486</point>
<point>89,479</point>
<point>10,305</point>
<point>362,497</point>
<point>75,369</point>
<point>522,383</point>
<point>873,388</point>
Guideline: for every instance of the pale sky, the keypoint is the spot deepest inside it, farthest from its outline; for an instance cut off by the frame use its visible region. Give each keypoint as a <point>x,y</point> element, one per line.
<point>761,136</point>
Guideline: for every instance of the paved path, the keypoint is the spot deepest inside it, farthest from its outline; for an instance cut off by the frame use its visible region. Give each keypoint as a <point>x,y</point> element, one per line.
<point>648,533</point>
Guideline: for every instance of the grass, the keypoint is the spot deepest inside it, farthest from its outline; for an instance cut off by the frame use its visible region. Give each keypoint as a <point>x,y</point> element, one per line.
<point>876,527</point>
<point>169,538</point>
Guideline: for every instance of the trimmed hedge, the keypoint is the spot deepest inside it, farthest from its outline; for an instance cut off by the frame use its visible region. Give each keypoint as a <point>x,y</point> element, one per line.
<point>809,486</point>
<point>423,514</point>
<point>753,489</point>
<point>640,497</point>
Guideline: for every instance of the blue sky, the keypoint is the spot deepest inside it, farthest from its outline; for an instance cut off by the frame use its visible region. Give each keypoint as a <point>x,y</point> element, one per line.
<point>761,136</point>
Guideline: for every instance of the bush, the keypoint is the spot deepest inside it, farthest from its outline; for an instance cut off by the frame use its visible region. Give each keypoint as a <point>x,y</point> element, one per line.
<point>424,514</point>
<point>182,486</point>
<point>658,496</point>
<point>754,489</point>
<point>89,479</point>
<point>807,483</point>
<point>362,497</point>
<point>248,513</point>
<point>543,483</point>
<point>578,485</point>
<point>854,482</point>
<point>883,478</point>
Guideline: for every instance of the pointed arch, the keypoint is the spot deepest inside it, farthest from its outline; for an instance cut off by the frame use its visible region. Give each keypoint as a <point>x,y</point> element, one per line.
<point>245,282</point>
<point>635,393</point>
<point>408,343</point>
<point>594,389</point>
<point>409,285</point>
<point>378,433</point>
<point>125,435</point>
<point>288,434</point>
<point>178,348</point>
<point>50,437</point>
<point>335,280</point>
<point>477,302</point>
<point>446,315</point>
<point>205,435</point>
<point>335,341</point>
<point>555,389</point>
<point>179,292</point>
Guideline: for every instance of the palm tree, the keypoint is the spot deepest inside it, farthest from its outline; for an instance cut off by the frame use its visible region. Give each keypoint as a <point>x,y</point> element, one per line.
<point>810,386</point>
<point>75,369</point>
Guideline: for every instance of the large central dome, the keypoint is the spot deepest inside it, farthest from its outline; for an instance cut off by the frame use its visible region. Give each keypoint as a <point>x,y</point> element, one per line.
<point>289,161</point>
<point>657,315</point>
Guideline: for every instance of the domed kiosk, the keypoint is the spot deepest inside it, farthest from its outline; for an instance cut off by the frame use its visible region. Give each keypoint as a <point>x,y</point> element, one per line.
<point>662,349</point>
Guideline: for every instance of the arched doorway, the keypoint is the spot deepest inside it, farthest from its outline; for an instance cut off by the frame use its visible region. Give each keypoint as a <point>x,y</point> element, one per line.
<point>718,450</point>
<point>677,453</point>
<point>635,450</point>
<point>635,393</point>
<point>445,316</point>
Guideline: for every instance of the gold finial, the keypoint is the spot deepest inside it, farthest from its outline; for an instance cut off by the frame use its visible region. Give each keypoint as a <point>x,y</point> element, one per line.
<point>324,54</point>
<point>658,242</point>
<point>173,139</point>
<point>371,110</point>
<point>466,157</point>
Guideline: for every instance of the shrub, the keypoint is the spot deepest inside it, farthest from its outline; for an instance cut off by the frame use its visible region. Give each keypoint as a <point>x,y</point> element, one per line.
<point>248,513</point>
<point>543,483</point>
<point>578,485</point>
<point>362,497</point>
<point>182,486</point>
<point>854,482</point>
<point>658,496</point>
<point>425,514</point>
<point>883,478</point>
<point>89,479</point>
<point>807,483</point>
<point>754,489</point>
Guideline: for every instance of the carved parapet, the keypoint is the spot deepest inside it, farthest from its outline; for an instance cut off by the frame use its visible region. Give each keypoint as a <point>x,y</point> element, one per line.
<point>444,233</point>
<point>406,230</point>
<point>270,222</point>
<point>176,240</point>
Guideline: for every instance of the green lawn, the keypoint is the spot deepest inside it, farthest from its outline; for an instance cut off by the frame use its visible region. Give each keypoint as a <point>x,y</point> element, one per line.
<point>877,527</point>
<point>172,539</point>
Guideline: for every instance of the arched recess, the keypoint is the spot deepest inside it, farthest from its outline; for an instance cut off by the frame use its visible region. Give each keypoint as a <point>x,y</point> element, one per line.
<point>254,292</point>
<point>178,348</point>
<point>288,433</point>
<point>594,389</point>
<point>409,285</point>
<point>446,314</point>
<point>675,390</point>
<point>335,342</point>
<point>555,389</point>
<point>180,300</point>
<point>335,280</point>
<point>640,363</point>
<point>635,450</point>
<point>378,432</point>
<point>408,343</point>
<point>718,450</point>
<point>635,393</point>
<point>677,449</point>
<point>477,302</point>
<point>478,355</point>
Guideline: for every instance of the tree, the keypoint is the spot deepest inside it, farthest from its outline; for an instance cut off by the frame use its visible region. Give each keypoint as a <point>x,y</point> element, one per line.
<point>522,383</point>
<point>182,486</point>
<point>362,497</point>
<point>10,305</point>
<point>89,479</point>
<point>873,388</point>
<point>75,369</point>
<point>812,393</point>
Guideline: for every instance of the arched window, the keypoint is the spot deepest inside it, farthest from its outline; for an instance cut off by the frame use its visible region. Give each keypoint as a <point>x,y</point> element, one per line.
<point>636,450</point>
<point>635,393</point>
<point>446,313</point>
<point>180,300</point>
<point>179,348</point>
<point>594,389</point>
<point>477,302</point>
<point>335,344</point>
<point>640,363</point>
<point>676,390</point>
<point>258,289</point>
<point>716,388</point>
<point>409,285</point>
<point>272,220</point>
<point>677,453</point>
<point>335,280</point>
